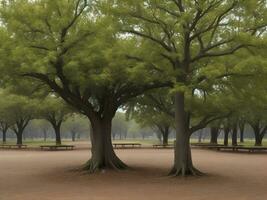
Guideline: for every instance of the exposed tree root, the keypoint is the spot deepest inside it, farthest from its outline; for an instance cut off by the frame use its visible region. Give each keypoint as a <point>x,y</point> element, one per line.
<point>185,172</point>
<point>93,166</point>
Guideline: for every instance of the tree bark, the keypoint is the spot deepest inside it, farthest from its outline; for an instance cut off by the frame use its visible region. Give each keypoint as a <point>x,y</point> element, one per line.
<point>4,135</point>
<point>166,135</point>
<point>258,138</point>
<point>103,155</point>
<point>234,136</point>
<point>183,165</point>
<point>242,129</point>
<point>214,131</point>
<point>58,134</point>
<point>19,135</point>
<point>226,136</point>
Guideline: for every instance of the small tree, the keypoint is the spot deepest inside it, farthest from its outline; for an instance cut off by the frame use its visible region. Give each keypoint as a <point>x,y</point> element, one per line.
<point>76,125</point>
<point>19,110</point>
<point>55,112</point>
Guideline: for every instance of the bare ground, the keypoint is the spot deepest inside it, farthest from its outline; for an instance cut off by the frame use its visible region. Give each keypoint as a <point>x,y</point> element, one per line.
<point>36,175</point>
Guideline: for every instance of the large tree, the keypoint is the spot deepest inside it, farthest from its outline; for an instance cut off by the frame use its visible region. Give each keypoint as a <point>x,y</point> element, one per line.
<point>70,47</point>
<point>191,35</point>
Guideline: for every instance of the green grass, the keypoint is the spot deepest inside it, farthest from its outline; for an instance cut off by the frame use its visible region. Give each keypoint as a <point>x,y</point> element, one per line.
<point>33,143</point>
<point>247,142</point>
<point>145,142</point>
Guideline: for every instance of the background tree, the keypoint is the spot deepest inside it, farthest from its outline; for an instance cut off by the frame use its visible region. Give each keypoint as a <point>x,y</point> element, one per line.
<point>55,112</point>
<point>19,110</point>
<point>120,126</point>
<point>76,125</point>
<point>154,110</point>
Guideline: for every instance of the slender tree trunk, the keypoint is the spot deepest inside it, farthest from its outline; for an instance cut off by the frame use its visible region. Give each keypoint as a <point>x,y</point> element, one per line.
<point>4,136</point>
<point>45,135</point>
<point>226,136</point>
<point>234,136</point>
<point>183,165</point>
<point>166,136</point>
<point>214,131</point>
<point>73,136</point>
<point>58,135</point>
<point>242,130</point>
<point>200,136</point>
<point>103,155</point>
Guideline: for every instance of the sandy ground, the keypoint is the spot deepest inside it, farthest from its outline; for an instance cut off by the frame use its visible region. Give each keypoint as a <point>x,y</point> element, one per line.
<point>36,175</point>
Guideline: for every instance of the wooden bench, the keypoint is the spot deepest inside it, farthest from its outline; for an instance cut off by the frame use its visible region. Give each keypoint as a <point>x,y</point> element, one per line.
<point>205,144</point>
<point>234,148</point>
<point>57,147</point>
<point>159,146</point>
<point>124,145</point>
<point>13,146</point>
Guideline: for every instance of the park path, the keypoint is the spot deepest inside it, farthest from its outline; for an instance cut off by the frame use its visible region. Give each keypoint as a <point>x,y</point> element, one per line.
<point>32,175</point>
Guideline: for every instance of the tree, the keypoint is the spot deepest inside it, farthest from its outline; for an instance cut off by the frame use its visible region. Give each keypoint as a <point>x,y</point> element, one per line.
<point>80,55</point>
<point>119,126</point>
<point>154,110</point>
<point>19,110</point>
<point>76,125</point>
<point>214,132</point>
<point>45,126</point>
<point>192,36</point>
<point>55,112</point>
<point>4,123</point>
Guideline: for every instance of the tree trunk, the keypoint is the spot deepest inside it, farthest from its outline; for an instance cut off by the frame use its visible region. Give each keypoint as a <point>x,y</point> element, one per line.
<point>103,155</point>
<point>73,136</point>
<point>234,136</point>
<point>57,133</point>
<point>183,165</point>
<point>200,136</point>
<point>4,136</point>
<point>226,136</point>
<point>214,131</point>
<point>258,138</point>
<point>165,135</point>
<point>19,137</point>
<point>45,135</point>
<point>242,129</point>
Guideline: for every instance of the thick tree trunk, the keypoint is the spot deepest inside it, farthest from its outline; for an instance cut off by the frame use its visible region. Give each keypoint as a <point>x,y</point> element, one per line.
<point>57,129</point>
<point>258,138</point>
<point>234,136</point>
<point>19,137</point>
<point>183,165</point>
<point>226,136</point>
<point>166,136</point>
<point>103,155</point>
<point>57,132</point>
<point>214,131</point>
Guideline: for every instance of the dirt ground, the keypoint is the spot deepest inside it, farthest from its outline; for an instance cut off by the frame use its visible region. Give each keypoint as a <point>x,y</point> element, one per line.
<point>36,175</point>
